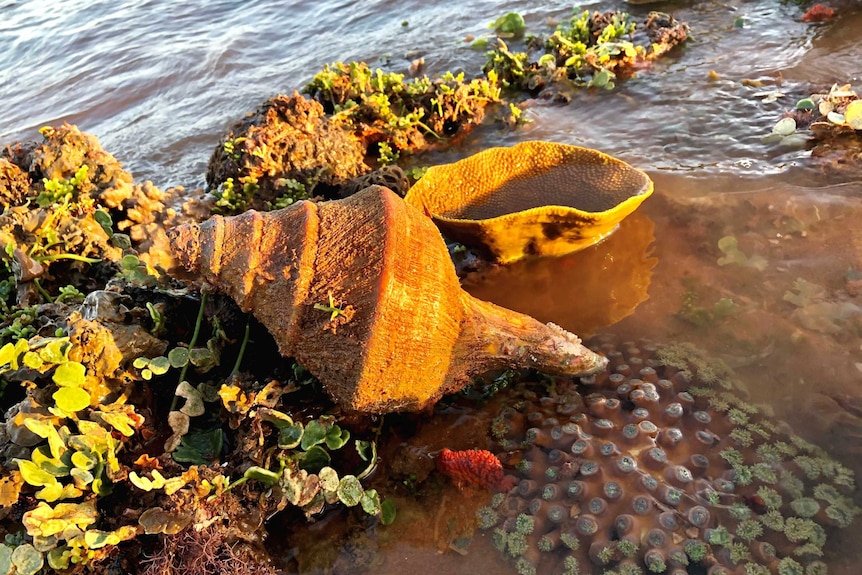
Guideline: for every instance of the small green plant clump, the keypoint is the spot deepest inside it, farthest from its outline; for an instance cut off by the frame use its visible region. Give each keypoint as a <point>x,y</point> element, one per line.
<point>59,189</point>
<point>302,471</point>
<point>401,115</point>
<point>703,316</point>
<point>231,198</point>
<point>46,248</point>
<point>590,50</point>
<point>733,255</point>
<point>509,25</point>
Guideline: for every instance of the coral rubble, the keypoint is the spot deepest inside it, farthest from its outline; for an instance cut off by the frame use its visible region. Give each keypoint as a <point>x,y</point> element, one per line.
<point>67,177</point>
<point>658,467</point>
<point>832,123</point>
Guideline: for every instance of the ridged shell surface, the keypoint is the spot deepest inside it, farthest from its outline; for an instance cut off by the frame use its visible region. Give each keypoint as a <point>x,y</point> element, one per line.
<point>380,262</point>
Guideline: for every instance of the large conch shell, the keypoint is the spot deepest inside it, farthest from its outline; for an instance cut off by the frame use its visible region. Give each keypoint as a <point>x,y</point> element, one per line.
<point>534,198</point>
<point>404,332</point>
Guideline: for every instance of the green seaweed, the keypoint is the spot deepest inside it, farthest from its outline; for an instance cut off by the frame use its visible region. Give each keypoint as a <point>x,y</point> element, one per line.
<point>701,316</point>
<point>589,50</point>
<point>733,255</point>
<point>79,454</point>
<point>509,25</point>
<point>400,115</point>
<point>58,190</point>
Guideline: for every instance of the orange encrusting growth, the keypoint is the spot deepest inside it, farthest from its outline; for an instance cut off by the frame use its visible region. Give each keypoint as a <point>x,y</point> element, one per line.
<point>476,467</point>
<point>818,13</point>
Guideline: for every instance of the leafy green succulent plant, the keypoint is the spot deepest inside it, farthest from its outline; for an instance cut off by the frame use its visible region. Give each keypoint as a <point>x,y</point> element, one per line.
<point>78,458</point>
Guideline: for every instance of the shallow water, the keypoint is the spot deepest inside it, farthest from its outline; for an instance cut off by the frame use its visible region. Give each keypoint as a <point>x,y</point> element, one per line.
<point>159,82</point>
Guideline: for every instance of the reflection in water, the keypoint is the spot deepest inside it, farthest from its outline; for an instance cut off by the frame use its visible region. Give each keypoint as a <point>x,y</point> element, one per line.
<point>582,292</point>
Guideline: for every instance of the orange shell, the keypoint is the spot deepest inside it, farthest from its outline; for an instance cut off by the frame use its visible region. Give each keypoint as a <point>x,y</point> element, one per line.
<point>471,467</point>
<point>363,294</point>
<point>534,198</point>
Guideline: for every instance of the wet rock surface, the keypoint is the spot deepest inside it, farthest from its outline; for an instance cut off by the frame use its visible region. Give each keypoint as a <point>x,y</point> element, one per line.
<point>286,148</point>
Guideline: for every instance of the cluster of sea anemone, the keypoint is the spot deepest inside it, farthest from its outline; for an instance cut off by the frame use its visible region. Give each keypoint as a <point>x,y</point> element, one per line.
<point>659,465</point>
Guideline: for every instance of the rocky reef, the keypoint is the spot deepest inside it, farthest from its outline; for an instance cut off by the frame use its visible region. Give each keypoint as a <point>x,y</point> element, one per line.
<point>279,154</point>
<point>79,190</point>
<point>660,465</point>
<point>293,148</point>
<point>588,50</point>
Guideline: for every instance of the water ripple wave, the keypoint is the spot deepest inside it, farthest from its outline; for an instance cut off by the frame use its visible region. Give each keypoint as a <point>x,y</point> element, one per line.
<point>160,81</point>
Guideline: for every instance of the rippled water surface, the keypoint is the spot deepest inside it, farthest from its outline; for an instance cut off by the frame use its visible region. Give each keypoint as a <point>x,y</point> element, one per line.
<point>160,81</point>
